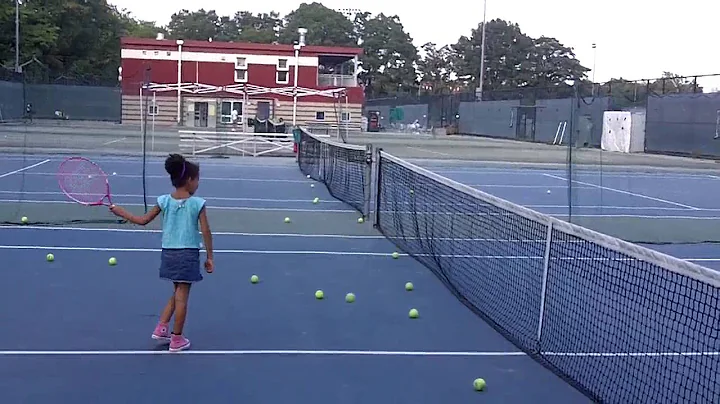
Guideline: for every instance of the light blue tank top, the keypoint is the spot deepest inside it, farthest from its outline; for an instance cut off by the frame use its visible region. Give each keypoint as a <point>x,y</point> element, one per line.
<point>180,226</point>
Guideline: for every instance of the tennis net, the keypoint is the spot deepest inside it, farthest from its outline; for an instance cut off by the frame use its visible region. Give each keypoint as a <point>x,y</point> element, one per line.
<point>344,169</point>
<point>621,323</point>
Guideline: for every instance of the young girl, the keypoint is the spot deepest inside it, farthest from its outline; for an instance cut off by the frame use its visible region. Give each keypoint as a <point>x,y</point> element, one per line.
<point>180,258</point>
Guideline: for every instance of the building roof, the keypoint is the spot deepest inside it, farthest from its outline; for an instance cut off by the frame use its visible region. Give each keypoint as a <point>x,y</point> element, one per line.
<point>170,44</point>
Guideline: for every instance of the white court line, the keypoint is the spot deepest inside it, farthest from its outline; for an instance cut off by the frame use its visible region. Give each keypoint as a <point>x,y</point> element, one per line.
<point>332,253</point>
<point>24,168</point>
<point>300,352</point>
<point>428,151</point>
<point>207,197</point>
<point>537,171</point>
<point>295,352</point>
<point>212,208</point>
<point>238,179</point>
<point>624,192</point>
<point>154,160</point>
<point>114,141</point>
<point>215,233</point>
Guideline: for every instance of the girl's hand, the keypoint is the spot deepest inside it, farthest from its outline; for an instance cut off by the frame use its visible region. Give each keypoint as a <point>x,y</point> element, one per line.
<point>209,265</point>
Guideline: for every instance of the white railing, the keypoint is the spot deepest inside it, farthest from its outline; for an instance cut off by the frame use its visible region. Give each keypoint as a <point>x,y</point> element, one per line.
<point>337,80</point>
<point>236,143</point>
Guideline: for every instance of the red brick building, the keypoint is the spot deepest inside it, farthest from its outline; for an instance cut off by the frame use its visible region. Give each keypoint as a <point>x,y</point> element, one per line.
<point>223,84</point>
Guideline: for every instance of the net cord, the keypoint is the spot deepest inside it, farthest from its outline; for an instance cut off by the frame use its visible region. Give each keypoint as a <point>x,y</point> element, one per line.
<point>676,265</point>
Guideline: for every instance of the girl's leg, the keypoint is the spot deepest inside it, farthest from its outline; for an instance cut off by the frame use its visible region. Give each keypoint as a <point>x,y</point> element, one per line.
<point>168,311</point>
<point>182,292</point>
<point>177,341</point>
<point>162,332</point>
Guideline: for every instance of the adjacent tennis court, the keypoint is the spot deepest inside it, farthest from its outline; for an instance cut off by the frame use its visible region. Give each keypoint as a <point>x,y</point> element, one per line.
<point>620,324</point>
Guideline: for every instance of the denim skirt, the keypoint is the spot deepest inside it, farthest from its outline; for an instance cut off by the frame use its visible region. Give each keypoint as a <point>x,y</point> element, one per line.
<point>180,265</point>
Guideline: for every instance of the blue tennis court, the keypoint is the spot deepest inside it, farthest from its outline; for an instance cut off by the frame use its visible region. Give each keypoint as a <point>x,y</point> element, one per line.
<point>78,330</point>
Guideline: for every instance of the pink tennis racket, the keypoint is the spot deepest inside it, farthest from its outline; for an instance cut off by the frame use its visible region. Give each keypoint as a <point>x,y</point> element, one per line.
<point>84,182</point>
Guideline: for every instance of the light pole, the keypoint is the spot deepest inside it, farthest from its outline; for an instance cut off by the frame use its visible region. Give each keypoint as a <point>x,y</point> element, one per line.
<point>297,47</point>
<point>18,69</point>
<point>479,90</point>
<point>594,46</point>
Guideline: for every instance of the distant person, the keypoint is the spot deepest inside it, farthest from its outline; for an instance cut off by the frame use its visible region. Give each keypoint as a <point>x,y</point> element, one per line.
<point>182,213</point>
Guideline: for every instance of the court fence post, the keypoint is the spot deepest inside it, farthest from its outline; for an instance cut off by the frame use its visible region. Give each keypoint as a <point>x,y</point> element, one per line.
<point>367,184</point>
<point>543,290</point>
<point>377,178</point>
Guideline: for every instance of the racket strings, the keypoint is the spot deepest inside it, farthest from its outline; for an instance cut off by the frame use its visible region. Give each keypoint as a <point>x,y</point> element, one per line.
<point>83,181</point>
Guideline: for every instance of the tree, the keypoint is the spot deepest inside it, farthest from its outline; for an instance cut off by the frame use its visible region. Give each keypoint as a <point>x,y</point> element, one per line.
<point>515,60</point>
<point>202,25</point>
<point>435,68</point>
<point>257,28</point>
<point>325,26</point>
<point>389,56</point>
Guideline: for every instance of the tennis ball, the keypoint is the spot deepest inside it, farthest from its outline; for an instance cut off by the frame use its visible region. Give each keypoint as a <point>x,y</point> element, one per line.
<point>350,298</point>
<point>409,286</point>
<point>412,192</point>
<point>50,258</point>
<point>548,191</point>
<point>479,384</point>
<point>413,313</point>
<point>308,176</point>
<point>24,220</point>
<point>361,220</point>
<point>287,220</point>
<point>312,185</point>
<point>319,294</point>
<point>395,255</point>
<point>112,261</point>
<point>254,279</point>
<point>316,200</point>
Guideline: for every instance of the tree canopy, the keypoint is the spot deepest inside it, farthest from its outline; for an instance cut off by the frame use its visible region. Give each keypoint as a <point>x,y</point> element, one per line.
<point>78,40</point>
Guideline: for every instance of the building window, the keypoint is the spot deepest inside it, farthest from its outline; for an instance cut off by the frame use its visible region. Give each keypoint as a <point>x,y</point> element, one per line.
<point>230,112</point>
<point>241,76</point>
<point>282,75</point>
<point>152,109</point>
<point>345,116</point>
<point>241,70</point>
<point>320,116</point>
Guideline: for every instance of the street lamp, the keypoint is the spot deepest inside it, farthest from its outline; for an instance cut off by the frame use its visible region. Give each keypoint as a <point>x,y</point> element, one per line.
<point>18,69</point>
<point>297,47</point>
<point>482,54</point>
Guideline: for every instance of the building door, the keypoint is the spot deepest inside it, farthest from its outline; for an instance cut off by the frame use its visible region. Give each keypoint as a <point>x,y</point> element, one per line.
<point>263,110</point>
<point>201,114</point>
<point>231,112</point>
<point>525,128</point>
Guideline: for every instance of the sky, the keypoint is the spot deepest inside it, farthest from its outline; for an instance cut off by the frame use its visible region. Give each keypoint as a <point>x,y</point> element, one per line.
<point>636,39</point>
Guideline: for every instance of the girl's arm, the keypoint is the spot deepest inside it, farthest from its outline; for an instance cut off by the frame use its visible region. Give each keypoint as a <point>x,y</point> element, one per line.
<point>141,220</point>
<point>207,235</point>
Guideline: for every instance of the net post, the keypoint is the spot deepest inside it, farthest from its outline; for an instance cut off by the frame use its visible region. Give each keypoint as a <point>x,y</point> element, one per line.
<point>376,186</point>
<point>368,180</point>
<point>543,290</point>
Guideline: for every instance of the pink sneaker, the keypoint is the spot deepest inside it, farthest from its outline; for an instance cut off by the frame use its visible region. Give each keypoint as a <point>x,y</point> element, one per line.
<point>178,343</point>
<point>161,333</point>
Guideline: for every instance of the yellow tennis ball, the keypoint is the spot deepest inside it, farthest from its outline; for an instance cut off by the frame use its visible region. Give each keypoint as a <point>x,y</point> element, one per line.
<point>479,384</point>
<point>395,255</point>
<point>254,279</point>
<point>414,313</point>
<point>112,261</point>
<point>361,220</point>
<point>287,220</point>
<point>24,220</point>
<point>50,258</point>
<point>316,200</point>
<point>319,294</point>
